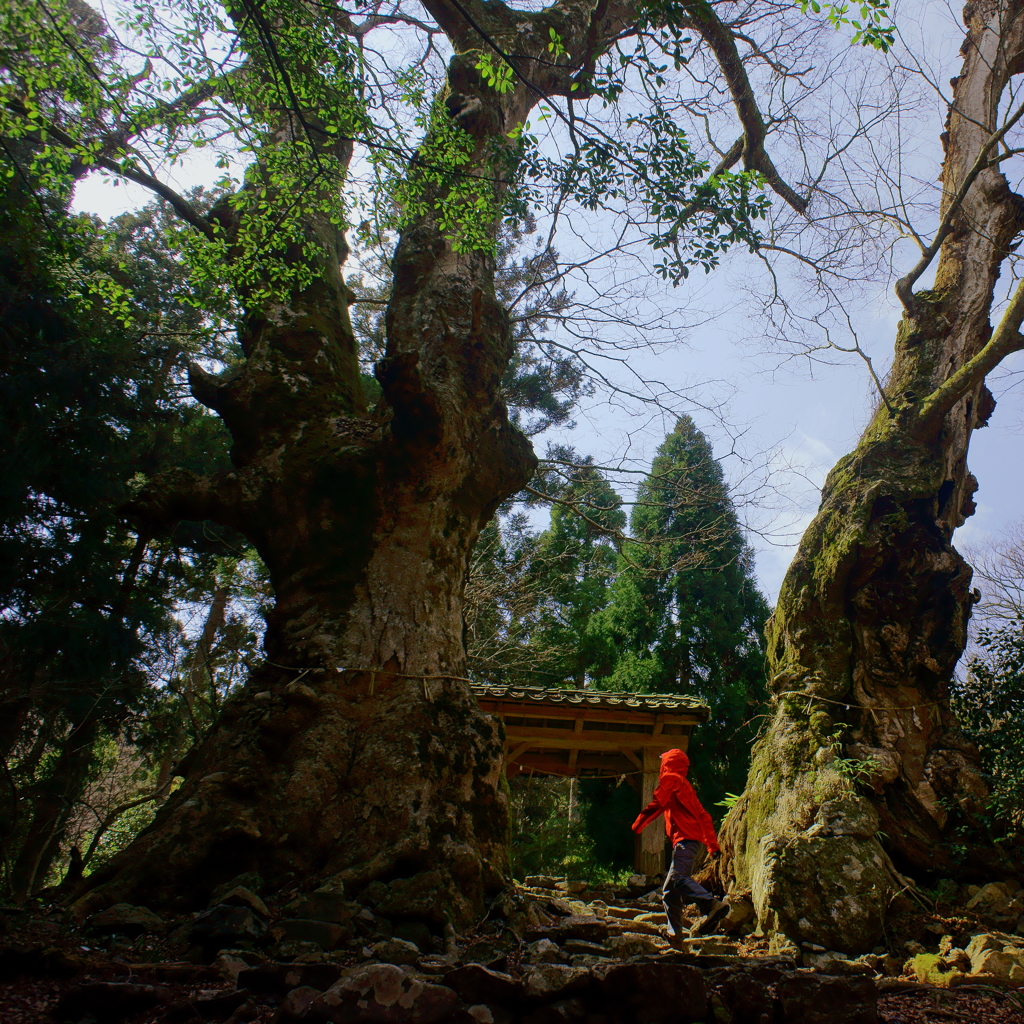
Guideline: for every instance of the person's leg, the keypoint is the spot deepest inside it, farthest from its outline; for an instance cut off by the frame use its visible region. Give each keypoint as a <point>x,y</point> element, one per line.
<point>679,887</point>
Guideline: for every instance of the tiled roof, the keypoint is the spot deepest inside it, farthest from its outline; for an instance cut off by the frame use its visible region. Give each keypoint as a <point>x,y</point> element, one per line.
<point>605,699</point>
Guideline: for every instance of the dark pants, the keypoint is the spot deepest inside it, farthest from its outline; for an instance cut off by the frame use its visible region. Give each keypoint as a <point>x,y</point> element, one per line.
<point>680,888</point>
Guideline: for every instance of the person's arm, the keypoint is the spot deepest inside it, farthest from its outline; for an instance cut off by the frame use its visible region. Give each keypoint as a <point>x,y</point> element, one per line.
<point>649,814</point>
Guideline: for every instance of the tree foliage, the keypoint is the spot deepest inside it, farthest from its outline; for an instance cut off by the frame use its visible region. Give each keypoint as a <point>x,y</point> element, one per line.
<point>685,614</point>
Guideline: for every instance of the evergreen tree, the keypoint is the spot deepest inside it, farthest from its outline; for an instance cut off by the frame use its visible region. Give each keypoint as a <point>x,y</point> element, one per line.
<point>685,614</point>
<point>573,567</point>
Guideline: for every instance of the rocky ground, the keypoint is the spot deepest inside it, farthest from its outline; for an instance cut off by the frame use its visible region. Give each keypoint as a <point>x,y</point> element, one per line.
<point>553,951</point>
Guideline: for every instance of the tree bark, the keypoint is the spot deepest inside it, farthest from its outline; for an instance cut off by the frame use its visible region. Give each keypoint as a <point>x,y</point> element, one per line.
<point>863,773</point>
<point>357,750</point>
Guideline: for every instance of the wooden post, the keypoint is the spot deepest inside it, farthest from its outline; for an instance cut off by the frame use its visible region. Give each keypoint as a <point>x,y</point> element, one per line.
<point>650,844</point>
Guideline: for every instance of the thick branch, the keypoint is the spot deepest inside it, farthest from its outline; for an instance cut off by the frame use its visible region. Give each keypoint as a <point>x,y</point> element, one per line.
<point>755,157</point>
<point>1006,338</point>
<point>906,283</point>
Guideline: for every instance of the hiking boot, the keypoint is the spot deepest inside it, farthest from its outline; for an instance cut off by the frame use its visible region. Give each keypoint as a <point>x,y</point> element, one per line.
<point>716,912</point>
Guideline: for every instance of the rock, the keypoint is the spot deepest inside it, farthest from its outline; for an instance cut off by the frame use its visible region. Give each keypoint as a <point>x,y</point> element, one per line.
<point>293,950</point>
<point>277,979</point>
<point>229,965</point>
<point>814,999</point>
<point>543,951</point>
<point>590,929</point>
<point>478,984</point>
<point>126,919</point>
<point>108,1000</point>
<point>395,951</point>
<point>296,1004</point>
<point>641,927</point>
<point>324,933</point>
<point>573,886</point>
<point>822,961</point>
<point>990,899</point>
<point>914,948</point>
<point>217,1004</point>
<point>580,947</point>
<point>599,908</point>
<point>383,994</point>
<point>653,992</point>
<point>635,945</point>
<point>555,981</point>
<point>418,896</point>
<point>710,945</point>
<point>979,943</point>
<point>824,888</point>
<point>1004,967</point>
<point>323,906</point>
<point>541,881</point>
<point>239,896</point>
<point>743,999</point>
<point>251,880</point>
<point>560,1012</point>
<point>417,933</point>
<point>740,917</point>
<point>224,926</point>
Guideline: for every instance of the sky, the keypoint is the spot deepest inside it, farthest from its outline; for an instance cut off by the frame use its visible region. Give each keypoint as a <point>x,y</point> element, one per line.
<point>783,423</point>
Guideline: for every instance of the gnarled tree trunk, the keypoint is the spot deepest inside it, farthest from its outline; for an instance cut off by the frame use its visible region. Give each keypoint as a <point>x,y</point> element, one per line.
<point>863,773</point>
<point>357,750</point>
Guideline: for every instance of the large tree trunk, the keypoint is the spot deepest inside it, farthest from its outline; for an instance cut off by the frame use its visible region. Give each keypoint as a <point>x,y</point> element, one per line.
<point>357,750</point>
<point>872,615</point>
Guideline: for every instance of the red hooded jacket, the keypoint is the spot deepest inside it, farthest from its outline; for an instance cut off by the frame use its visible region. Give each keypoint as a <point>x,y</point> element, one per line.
<point>675,798</point>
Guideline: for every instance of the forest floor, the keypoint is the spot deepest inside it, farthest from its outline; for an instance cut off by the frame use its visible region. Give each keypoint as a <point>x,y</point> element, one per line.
<point>527,962</point>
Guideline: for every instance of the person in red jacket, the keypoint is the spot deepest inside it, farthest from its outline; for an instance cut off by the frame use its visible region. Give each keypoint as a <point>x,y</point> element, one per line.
<point>687,825</point>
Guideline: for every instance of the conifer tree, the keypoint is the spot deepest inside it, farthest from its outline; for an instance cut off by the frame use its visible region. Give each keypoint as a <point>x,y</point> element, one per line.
<point>685,614</point>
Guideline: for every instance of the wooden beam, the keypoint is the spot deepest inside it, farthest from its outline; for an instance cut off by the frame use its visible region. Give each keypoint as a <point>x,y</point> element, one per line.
<point>650,844</point>
<point>565,740</point>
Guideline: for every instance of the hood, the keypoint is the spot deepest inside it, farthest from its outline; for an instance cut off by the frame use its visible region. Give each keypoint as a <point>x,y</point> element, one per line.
<point>674,762</point>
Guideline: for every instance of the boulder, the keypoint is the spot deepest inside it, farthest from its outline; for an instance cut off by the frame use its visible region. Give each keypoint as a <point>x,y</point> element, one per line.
<point>251,880</point>
<point>590,929</point>
<point>478,984</point>
<point>817,999</point>
<point>395,951</point>
<point>830,889</point>
<point>1006,967</point>
<point>417,897</point>
<point>543,951</point>
<point>108,1000</point>
<point>323,906</point>
<point>296,1003</point>
<point>278,979</point>
<point>127,919</point>
<point>383,994</point>
<point>743,999</point>
<point>240,896</point>
<point>325,934</point>
<point>548,982</point>
<point>635,945</point>
<point>541,881</point>
<point>580,947</point>
<point>224,927</point>
<point>654,992</point>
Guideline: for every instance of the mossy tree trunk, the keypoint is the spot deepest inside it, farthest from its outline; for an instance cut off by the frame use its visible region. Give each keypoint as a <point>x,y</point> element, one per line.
<point>357,749</point>
<point>862,773</point>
